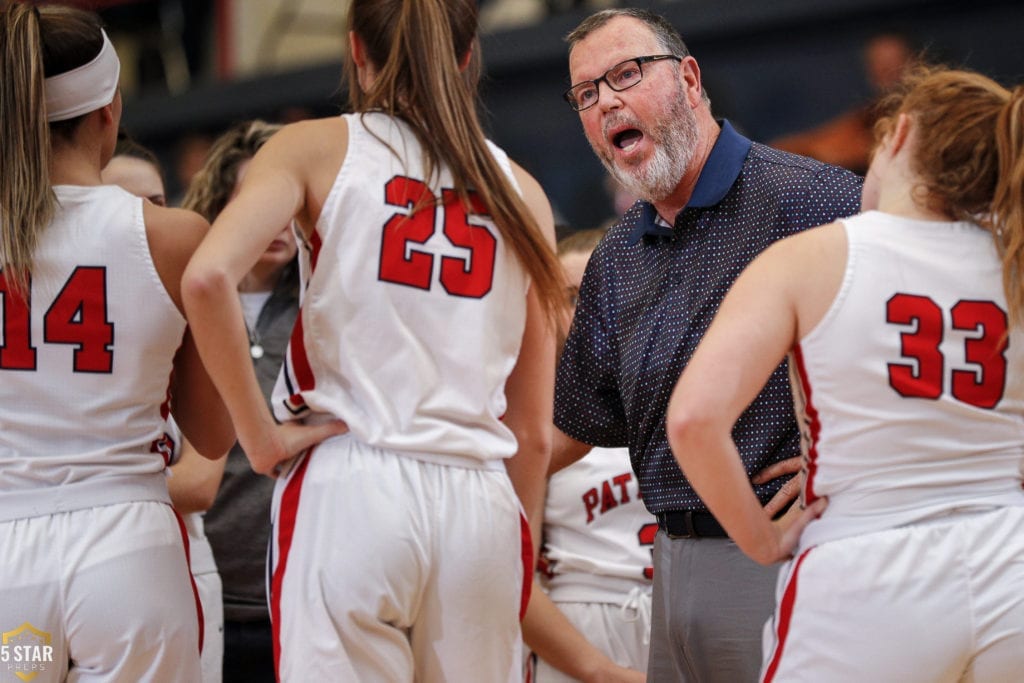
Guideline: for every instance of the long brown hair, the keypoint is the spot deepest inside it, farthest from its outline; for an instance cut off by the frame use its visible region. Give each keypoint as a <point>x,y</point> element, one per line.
<point>210,189</point>
<point>417,45</point>
<point>34,43</point>
<point>970,157</point>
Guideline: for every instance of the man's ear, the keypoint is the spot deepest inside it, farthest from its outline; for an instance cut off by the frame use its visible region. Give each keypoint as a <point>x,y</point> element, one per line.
<point>689,72</point>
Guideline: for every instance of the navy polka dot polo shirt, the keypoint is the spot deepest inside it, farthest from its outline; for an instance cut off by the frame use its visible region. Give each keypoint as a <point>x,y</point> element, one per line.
<point>650,292</point>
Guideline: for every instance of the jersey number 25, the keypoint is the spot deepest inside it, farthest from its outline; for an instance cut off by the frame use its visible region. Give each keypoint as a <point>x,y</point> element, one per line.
<point>403,264</point>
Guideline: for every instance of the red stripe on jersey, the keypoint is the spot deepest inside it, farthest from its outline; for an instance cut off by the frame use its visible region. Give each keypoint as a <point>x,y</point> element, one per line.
<point>285,530</point>
<point>527,554</point>
<point>192,579</point>
<point>301,370</point>
<point>814,424</point>
<point>785,616</point>
<point>304,378</point>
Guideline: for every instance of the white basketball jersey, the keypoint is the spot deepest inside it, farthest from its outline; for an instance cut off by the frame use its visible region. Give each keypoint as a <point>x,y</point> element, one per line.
<point>598,535</point>
<point>910,391</point>
<point>411,318</point>
<point>85,363</point>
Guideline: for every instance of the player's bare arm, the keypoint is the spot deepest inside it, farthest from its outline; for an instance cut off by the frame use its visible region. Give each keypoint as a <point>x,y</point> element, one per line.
<point>271,194</point>
<point>724,376</point>
<point>531,386</point>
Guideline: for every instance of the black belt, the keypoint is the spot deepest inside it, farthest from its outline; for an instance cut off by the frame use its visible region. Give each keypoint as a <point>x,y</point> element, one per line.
<point>690,524</point>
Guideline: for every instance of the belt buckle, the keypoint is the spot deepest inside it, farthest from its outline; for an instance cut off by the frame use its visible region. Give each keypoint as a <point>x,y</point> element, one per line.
<point>691,532</point>
<point>688,529</point>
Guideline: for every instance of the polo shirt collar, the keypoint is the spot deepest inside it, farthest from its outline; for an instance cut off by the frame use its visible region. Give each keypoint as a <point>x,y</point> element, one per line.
<point>720,171</point>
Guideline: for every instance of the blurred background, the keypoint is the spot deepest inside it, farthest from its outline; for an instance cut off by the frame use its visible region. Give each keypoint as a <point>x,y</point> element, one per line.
<point>796,73</point>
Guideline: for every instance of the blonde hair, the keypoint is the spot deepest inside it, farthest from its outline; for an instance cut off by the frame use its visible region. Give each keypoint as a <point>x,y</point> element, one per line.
<point>34,43</point>
<point>970,157</point>
<point>211,187</point>
<point>416,46</point>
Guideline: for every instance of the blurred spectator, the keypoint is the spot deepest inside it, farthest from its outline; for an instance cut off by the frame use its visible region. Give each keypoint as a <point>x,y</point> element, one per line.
<point>136,169</point>
<point>190,153</point>
<point>847,139</point>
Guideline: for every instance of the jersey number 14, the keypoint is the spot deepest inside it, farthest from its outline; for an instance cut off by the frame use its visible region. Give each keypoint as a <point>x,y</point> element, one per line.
<point>77,316</point>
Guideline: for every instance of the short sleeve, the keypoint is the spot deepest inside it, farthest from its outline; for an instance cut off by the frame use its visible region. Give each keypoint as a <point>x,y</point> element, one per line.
<point>588,404</point>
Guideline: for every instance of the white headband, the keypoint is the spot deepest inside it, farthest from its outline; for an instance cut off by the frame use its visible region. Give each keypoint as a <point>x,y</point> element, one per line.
<point>86,88</point>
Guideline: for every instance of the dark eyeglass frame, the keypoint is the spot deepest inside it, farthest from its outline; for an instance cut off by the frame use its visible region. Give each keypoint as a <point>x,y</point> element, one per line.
<point>639,61</point>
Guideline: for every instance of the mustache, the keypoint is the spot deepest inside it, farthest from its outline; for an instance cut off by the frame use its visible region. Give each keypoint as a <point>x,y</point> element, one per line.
<point>618,121</point>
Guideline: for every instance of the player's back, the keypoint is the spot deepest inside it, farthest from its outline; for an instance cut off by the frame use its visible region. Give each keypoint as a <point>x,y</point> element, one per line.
<point>411,321</point>
<point>85,364</point>
<point>912,383</point>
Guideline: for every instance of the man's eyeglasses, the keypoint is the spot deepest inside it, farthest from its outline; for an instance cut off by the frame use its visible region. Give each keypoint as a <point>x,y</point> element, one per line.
<point>620,77</point>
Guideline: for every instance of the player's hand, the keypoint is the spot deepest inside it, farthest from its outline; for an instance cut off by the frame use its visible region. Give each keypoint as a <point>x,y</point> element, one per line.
<point>789,491</point>
<point>791,525</point>
<point>272,455</point>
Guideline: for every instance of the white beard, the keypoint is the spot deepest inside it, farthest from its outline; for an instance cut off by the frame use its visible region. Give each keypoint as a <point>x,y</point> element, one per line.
<point>674,141</point>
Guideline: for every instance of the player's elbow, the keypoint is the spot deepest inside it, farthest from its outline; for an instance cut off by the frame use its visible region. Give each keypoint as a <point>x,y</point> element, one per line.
<point>537,441</point>
<point>217,437</point>
<point>688,425</point>
<point>200,284</point>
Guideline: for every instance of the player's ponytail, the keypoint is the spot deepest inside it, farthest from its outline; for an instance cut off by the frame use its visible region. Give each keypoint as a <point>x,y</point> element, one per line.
<point>968,161</point>
<point>35,42</point>
<point>1008,204</point>
<point>420,49</point>
<point>27,202</point>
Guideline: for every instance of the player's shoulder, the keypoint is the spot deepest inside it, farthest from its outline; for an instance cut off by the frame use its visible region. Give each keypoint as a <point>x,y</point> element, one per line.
<point>313,128</point>
<point>307,151</point>
<point>173,232</point>
<point>167,218</point>
<point>307,139</point>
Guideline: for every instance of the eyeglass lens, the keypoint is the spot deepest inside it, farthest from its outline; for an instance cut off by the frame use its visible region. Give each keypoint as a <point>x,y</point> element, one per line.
<point>620,77</point>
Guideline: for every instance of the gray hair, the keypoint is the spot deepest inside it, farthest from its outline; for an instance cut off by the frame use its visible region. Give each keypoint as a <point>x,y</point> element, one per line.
<point>666,34</point>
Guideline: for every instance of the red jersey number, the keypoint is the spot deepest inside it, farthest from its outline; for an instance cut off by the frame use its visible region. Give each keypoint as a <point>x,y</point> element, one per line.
<point>403,264</point>
<point>77,316</point>
<point>16,350</point>
<point>980,385</point>
<point>646,537</point>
